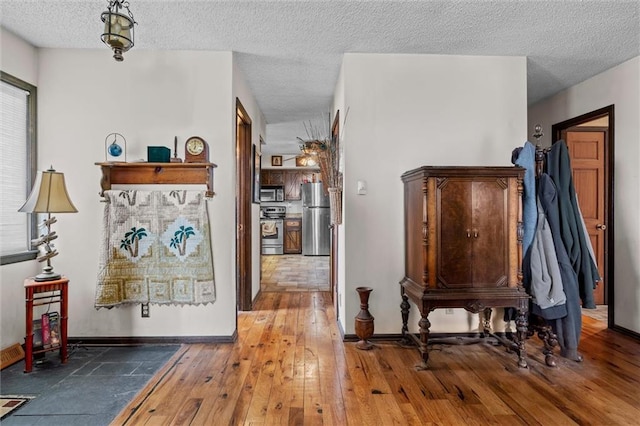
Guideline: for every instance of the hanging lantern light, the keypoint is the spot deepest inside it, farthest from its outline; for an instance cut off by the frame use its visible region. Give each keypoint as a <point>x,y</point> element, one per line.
<point>118,28</point>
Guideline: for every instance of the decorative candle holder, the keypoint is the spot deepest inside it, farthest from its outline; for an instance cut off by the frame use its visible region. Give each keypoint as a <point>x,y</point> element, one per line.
<point>364,320</point>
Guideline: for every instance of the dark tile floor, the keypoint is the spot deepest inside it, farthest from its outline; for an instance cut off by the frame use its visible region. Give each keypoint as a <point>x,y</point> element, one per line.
<point>90,389</point>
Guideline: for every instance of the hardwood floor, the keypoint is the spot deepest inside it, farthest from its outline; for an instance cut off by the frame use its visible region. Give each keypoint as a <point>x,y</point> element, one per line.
<point>291,367</point>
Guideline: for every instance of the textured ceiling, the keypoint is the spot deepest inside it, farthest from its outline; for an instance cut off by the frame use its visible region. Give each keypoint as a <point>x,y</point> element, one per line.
<point>291,51</point>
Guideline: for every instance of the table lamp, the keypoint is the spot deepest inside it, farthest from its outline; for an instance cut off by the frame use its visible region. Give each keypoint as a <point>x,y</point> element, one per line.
<point>49,195</point>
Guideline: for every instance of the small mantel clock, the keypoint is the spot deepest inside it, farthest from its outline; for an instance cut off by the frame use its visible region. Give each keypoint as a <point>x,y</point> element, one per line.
<point>196,150</point>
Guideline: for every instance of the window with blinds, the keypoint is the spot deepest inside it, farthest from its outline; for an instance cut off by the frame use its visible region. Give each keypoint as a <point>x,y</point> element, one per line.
<point>17,167</point>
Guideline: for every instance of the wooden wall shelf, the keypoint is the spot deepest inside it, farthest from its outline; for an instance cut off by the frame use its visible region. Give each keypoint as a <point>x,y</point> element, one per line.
<point>144,173</point>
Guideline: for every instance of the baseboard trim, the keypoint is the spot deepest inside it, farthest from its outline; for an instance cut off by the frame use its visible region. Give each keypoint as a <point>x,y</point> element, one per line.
<point>150,340</point>
<point>256,298</point>
<point>626,331</point>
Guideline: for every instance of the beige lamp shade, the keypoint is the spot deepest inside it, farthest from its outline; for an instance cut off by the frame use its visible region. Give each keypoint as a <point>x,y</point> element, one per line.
<point>49,195</point>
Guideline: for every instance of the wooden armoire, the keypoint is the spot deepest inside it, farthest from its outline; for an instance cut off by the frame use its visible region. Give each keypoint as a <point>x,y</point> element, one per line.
<point>463,247</point>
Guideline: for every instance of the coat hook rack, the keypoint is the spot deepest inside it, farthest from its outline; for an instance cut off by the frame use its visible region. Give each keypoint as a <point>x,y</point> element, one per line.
<point>537,133</point>
<point>144,173</point>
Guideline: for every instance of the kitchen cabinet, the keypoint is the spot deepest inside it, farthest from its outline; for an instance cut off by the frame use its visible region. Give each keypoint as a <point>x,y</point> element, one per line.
<point>272,177</point>
<point>293,180</point>
<point>292,236</point>
<point>463,246</point>
<point>290,180</point>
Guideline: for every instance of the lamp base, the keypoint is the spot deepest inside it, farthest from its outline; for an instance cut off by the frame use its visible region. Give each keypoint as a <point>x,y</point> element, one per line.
<point>47,275</point>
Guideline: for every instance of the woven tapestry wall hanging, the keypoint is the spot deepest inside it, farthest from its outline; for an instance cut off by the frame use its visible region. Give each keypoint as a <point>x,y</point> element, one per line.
<point>156,249</point>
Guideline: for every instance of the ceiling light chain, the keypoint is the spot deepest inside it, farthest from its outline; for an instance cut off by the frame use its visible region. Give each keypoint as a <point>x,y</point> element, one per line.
<point>118,28</point>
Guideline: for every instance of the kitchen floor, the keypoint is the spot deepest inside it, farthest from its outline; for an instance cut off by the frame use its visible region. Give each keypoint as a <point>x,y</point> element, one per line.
<point>294,272</point>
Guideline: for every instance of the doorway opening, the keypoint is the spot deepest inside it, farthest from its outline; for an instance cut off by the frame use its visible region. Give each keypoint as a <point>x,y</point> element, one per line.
<point>243,208</point>
<point>294,226</point>
<point>590,140</point>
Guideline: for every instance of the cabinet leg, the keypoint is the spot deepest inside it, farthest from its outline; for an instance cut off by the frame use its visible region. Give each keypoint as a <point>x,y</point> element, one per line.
<point>28,353</point>
<point>486,323</point>
<point>404,308</point>
<point>64,319</point>
<point>28,340</point>
<point>521,334</point>
<point>424,324</point>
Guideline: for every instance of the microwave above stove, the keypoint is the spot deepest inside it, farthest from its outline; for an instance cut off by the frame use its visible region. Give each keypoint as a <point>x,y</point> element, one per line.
<point>271,193</point>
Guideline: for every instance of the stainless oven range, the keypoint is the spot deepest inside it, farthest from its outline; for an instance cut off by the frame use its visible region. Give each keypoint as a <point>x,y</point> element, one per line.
<point>271,229</point>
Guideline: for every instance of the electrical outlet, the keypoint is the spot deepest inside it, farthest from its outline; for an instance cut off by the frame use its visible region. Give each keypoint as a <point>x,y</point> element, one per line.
<point>448,311</point>
<point>145,310</point>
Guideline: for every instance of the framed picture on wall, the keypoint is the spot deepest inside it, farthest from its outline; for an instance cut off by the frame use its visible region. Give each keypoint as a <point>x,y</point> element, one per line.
<point>276,160</point>
<point>257,166</point>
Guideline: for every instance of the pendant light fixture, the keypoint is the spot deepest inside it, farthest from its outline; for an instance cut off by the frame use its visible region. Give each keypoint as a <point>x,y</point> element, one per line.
<point>118,28</point>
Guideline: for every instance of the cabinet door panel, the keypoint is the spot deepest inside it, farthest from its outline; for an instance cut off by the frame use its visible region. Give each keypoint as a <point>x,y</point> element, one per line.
<point>272,177</point>
<point>292,236</point>
<point>292,181</point>
<point>454,227</point>
<point>489,233</point>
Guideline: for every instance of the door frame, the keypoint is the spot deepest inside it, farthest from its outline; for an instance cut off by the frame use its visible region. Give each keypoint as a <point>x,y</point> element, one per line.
<point>243,208</point>
<point>609,155</point>
<point>333,255</point>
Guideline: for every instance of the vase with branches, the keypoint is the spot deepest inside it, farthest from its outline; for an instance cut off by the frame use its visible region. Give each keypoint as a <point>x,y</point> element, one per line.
<point>324,148</point>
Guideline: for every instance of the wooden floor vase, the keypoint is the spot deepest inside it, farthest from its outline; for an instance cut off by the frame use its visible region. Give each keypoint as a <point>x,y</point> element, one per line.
<point>364,319</point>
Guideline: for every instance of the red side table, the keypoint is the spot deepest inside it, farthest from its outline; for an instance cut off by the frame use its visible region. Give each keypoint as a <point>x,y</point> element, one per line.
<point>57,292</point>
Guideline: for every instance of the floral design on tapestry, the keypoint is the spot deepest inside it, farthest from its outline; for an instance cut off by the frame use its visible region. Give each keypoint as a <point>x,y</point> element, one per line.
<point>132,243</point>
<point>182,238</point>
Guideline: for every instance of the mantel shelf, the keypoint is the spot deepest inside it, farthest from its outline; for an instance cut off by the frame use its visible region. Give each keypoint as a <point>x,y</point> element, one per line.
<point>143,173</point>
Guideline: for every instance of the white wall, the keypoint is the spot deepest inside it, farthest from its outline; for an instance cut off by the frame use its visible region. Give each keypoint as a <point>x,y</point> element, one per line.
<point>258,125</point>
<point>619,86</point>
<point>149,98</point>
<point>339,105</point>
<point>19,59</point>
<point>407,111</point>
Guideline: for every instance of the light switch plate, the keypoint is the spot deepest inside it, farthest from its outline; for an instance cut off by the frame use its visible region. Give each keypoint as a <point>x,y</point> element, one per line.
<point>362,187</point>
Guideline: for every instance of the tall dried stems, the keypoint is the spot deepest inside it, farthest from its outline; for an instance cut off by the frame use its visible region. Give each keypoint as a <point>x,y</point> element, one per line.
<point>320,145</point>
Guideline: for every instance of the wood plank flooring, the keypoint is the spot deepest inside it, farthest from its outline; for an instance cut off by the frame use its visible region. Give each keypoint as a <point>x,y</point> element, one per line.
<point>291,367</point>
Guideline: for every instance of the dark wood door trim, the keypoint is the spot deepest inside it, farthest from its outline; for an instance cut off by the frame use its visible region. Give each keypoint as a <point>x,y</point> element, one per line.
<point>556,135</point>
<point>243,208</point>
<point>333,258</point>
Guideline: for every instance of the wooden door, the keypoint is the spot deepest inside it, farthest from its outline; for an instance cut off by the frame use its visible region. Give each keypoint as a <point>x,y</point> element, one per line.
<point>490,257</point>
<point>243,208</point>
<point>587,154</point>
<point>454,218</point>
<point>473,229</point>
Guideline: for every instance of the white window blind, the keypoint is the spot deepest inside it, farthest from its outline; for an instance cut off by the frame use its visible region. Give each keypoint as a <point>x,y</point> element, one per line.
<point>14,226</point>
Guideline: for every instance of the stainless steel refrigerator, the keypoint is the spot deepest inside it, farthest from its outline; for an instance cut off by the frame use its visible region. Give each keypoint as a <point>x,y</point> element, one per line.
<point>315,220</point>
